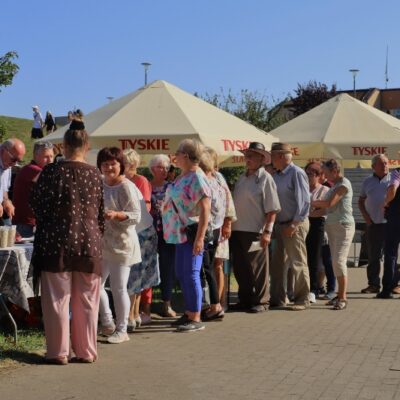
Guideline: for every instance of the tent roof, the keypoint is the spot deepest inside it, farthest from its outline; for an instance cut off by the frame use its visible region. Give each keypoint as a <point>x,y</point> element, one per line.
<point>341,127</point>
<point>161,109</point>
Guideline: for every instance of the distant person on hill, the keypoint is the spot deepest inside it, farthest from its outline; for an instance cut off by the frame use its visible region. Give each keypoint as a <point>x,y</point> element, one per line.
<point>77,120</point>
<point>37,129</point>
<point>49,123</point>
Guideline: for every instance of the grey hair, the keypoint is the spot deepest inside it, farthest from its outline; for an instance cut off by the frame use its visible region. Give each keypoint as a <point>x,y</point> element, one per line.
<point>9,144</point>
<point>377,157</point>
<point>158,159</point>
<point>45,145</point>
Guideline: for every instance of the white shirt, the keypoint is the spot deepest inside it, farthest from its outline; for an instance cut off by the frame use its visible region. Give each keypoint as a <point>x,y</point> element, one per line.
<point>37,120</point>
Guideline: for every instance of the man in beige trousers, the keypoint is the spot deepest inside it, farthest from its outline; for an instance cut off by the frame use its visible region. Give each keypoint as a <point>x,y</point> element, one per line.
<point>291,229</point>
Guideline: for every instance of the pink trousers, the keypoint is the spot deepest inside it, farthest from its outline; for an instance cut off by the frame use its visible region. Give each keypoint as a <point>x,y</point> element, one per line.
<point>82,291</point>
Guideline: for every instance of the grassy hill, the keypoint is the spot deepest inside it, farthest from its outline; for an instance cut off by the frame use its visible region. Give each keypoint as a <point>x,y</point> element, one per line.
<point>19,128</point>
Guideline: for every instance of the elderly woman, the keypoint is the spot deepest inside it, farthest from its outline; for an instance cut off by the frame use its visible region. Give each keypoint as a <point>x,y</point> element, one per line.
<point>339,226</point>
<point>120,243</point>
<point>221,205</point>
<point>67,201</point>
<point>185,216</point>
<point>145,274</point>
<point>315,236</point>
<point>159,166</point>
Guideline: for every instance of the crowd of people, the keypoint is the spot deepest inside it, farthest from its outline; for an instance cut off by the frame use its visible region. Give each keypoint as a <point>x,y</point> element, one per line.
<point>286,229</point>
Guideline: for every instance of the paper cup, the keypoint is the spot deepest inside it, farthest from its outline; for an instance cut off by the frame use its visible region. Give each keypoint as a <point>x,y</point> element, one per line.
<point>12,231</point>
<point>3,236</point>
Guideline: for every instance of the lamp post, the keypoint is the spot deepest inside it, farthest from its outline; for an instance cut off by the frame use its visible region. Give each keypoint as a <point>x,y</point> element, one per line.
<point>146,66</point>
<point>354,72</point>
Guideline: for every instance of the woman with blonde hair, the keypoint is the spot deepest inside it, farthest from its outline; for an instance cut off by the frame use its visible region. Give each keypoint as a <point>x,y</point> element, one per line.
<point>222,251</point>
<point>146,274</point>
<point>185,217</point>
<point>339,226</point>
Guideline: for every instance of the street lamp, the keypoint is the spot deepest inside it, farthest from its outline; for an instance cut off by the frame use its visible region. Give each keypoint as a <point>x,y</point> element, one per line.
<point>110,98</point>
<point>146,66</point>
<point>354,72</point>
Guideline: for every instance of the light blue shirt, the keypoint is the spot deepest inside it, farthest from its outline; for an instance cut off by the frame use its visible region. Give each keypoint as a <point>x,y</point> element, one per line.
<point>294,194</point>
<point>373,190</point>
<point>342,212</point>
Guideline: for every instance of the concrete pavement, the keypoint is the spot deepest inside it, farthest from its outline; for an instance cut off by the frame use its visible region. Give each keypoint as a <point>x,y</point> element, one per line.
<point>313,354</point>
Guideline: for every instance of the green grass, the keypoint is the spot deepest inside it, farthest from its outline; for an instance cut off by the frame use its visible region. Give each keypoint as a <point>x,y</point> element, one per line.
<point>29,349</point>
<point>21,129</point>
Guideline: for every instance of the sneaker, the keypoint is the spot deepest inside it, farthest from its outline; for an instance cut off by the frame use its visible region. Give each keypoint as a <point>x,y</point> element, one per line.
<point>321,290</point>
<point>107,330</point>
<point>370,289</point>
<point>191,326</point>
<point>181,320</point>
<point>118,337</point>
<point>131,326</point>
<point>145,319</point>
<point>311,297</point>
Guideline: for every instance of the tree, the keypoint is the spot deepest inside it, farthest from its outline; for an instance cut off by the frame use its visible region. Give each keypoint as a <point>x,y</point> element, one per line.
<point>8,69</point>
<point>253,107</point>
<point>309,96</point>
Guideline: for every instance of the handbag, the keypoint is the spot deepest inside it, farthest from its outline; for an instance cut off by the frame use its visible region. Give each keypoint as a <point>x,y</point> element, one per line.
<point>191,232</point>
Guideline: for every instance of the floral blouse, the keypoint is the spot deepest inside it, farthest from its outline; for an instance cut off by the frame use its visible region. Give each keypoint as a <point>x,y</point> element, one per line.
<point>181,204</point>
<point>67,201</point>
<point>157,200</point>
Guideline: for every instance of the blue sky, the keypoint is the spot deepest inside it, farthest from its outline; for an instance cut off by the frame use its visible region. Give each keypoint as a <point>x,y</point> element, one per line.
<point>78,52</point>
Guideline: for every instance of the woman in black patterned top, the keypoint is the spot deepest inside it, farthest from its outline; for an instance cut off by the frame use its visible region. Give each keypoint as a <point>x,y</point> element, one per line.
<point>68,204</point>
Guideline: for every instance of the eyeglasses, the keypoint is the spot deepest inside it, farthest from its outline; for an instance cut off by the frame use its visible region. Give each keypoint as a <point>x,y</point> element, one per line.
<point>179,152</point>
<point>311,173</point>
<point>13,159</point>
<point>162,167</point>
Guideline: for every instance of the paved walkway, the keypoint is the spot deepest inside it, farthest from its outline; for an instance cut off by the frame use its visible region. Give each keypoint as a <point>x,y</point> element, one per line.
<point>314,354</point>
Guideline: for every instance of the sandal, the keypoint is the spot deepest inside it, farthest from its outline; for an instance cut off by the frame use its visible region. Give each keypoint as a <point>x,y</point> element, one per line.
<point>212,316</point>
<point>340,305</point>
<point>332,302</point>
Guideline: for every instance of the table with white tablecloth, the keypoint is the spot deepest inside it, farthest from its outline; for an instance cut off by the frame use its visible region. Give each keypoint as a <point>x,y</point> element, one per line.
<point>15,282</point>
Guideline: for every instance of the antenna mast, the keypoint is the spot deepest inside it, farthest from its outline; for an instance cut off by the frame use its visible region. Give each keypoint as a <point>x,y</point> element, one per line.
<point>386,69</point>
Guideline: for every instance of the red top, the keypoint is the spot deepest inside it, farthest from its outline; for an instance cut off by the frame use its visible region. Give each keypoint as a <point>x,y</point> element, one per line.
<point>21,192</point>
<point>145,188</point>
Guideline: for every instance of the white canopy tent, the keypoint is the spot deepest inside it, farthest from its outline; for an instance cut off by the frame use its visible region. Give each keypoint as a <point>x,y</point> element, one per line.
<point>343,128</point>
<point>155,118</point>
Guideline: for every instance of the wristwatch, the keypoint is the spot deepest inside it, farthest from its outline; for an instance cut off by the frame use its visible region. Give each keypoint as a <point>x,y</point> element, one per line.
<point>267,231</point>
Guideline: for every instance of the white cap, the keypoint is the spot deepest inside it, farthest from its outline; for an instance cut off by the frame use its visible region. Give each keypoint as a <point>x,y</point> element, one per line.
<point>35,107</point>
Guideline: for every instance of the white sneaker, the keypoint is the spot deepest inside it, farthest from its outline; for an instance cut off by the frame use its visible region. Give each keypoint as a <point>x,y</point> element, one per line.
<point>311,297</point>
<point>108,330</point>
<point>118,337</point>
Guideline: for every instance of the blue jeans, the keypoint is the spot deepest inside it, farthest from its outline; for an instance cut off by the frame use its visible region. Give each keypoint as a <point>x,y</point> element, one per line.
<point>187,268</point>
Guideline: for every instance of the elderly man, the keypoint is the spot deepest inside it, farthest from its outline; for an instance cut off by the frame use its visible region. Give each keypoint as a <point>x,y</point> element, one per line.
<point>256,202</point>
<point>12,151</point>
<point>43,154</point>
<point>370,203</point>
<point>392,236</point>
<point>291,229</point>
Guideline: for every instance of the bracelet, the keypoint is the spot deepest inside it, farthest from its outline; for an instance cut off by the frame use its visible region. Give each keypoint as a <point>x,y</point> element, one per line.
<point>267,232</point>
